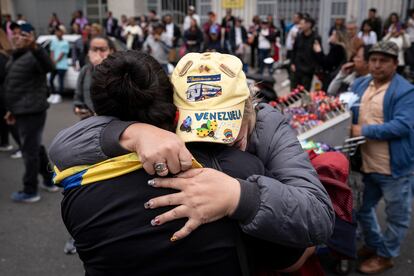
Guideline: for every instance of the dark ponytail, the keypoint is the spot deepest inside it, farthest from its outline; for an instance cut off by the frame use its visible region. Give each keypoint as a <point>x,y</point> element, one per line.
<point>132,86</point>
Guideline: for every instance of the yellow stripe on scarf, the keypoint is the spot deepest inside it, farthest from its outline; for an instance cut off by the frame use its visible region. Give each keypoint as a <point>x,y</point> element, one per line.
<point>107,169</point>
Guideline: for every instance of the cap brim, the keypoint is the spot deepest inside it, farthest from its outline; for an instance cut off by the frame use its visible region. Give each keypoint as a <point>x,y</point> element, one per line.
<point>213,126</point>
<point>383,53</point>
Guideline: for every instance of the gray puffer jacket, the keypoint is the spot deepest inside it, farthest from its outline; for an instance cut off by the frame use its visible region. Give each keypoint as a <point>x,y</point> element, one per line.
<point>288,205</point>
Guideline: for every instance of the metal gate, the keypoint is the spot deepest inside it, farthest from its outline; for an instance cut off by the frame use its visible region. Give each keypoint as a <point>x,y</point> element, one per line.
<point>176,8</point>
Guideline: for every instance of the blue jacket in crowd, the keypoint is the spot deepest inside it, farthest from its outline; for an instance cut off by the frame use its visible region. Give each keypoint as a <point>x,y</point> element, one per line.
<point>398,127</point>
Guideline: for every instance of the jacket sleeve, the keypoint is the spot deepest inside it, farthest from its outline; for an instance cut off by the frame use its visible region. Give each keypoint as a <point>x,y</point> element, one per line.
<point>44,62</point>
<point>81,143</point>
<point>336,83</point>
<point>78,99</point>
<point>401,124</point>
<point>289,205</point>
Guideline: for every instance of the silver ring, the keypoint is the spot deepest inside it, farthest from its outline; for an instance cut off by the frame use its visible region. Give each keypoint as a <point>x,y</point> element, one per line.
<point>160,167</point>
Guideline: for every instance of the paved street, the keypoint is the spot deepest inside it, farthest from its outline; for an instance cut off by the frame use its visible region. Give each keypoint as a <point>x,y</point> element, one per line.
<point>32,236</point>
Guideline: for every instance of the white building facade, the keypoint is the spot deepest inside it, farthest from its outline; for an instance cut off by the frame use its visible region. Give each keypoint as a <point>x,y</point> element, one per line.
<point>324,11</point>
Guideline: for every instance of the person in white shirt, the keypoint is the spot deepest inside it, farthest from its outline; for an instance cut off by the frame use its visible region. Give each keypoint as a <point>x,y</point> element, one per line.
<point>133,34</point>
<point>368,36</point>
<point>266,37</point>
<point>399,37</point>
<point>190,15</point>
<point>290,39</point>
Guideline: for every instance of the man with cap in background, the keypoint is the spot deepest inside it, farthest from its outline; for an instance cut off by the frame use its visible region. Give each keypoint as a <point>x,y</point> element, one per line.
<point>384,117</point>
<point>25,97</point>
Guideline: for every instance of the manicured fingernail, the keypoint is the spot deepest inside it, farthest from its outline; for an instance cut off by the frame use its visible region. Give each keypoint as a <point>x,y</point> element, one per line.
<point>173,238</point>
<point>155,222</point>
<point>151,182</point>
<point>147,204</point>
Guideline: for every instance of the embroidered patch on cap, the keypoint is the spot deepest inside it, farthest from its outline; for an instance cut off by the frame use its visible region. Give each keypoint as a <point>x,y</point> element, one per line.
<point>200,91</point>
<point>207,129</point>
<point>191,79</point>
<point>228,136</point>
<point>186,125</point>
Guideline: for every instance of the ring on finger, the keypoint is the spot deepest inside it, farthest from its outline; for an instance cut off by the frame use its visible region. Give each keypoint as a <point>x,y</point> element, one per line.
<point>160,167</point>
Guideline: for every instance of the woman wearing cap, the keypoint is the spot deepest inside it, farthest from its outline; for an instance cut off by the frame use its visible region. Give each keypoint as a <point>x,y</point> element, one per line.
<point>286,205</point>
<point>106,214</point>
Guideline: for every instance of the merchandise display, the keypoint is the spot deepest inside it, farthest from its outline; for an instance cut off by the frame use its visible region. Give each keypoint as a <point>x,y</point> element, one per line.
<point>315,116</point>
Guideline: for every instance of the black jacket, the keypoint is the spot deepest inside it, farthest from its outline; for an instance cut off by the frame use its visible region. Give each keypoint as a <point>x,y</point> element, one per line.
<point>233,37</point>
<point>3,62</point>
<point>303,56</point>
<point>25,83</point>
<point>112,230</point>
<point>113,28</point>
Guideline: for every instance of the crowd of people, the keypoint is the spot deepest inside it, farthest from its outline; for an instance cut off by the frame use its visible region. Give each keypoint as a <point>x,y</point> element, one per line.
<point>135,116</point>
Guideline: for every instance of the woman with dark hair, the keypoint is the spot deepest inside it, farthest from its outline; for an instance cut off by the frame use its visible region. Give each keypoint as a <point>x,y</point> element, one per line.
<point>392,23</point>
<point>54,22</point>
<point>340,51</point>
<point>367,34</point>
<point>100,47</point>
<point>193,37</point>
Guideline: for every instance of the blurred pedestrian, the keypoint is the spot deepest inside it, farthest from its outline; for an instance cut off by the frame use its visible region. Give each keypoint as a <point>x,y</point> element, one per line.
<point>21,19</point>
<point>59,50</point>
<point>352,36</point>
<point>110,24</point>
<point>212,34</point>
<point>80,48</point>
<point>144,24</point>
<point>393,22</point>
<point>54,22</point>
<point>96,30</point>
<point>80,19</point>
<point>238,42</point>
<point>99,49</point>
<point>6,26</point>
<point>158,45</point>
<point>304,59</point>
<point>133,35</point>
<point>402,40</point>
<point>358,67</point>
<point>293,32</point>
<point>191,14</point>
<point>384,116</point>
<point>25,96</point>
<point>266,38</point>
<point>374,21</point>
<point>173,31</point>
<point>252,39</point>
<point>121,27</point>
<point>339,53</point>
<point>75,29</point>
<point>339,25</point>
<point>227,23</point>
<point>153,17</point>
<point>410,32</point>
<point>5,51</point>
<point>193,39</point>
<point>368,36</point>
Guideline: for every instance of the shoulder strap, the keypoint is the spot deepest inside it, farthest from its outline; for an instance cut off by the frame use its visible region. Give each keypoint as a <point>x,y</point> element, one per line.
<point>240,247</point>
